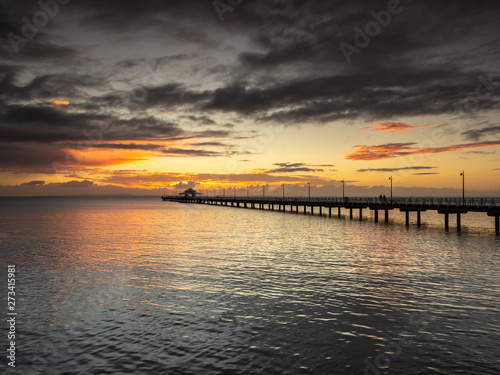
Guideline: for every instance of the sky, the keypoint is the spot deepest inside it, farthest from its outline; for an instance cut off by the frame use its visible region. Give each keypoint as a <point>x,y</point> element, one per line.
<point>228,96</point>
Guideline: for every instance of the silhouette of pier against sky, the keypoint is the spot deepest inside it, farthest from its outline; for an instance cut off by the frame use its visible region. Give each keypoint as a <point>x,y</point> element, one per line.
<point>444,206</point>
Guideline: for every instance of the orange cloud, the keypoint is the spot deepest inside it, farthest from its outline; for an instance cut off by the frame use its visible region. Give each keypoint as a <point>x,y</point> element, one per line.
<point>103,158</point>
<point>396,127</point>
<point>395,150</point>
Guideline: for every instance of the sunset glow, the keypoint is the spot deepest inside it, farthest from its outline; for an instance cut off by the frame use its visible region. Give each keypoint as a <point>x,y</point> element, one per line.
<point>145,111</point>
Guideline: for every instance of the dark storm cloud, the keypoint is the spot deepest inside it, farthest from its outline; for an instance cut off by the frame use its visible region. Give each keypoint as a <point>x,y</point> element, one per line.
<point>47,125</point>
<point>214,144</point>
<point>477,134</point>
<point>294,34</point>
<point>28,158</point>
<point>201,120</point>
<point>393,169</point>
<point>281,60</point>
<point>293,167</point>
<point>380,93</point>
<point>45,86</point>
<point>129,15</point>
<point>206,134</point>
<point>401,72</point>
<point>192,152</point>
<point>169,95</point>
<point>33,183</point>
<point>22,40</point>
<point>126,146</point>
<point>77,184</point>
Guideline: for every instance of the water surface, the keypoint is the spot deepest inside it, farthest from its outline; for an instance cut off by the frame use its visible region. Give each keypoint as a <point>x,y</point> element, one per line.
<point>141,286</point>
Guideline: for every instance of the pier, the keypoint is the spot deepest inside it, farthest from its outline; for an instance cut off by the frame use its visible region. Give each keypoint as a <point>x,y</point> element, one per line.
<point>443,206</point>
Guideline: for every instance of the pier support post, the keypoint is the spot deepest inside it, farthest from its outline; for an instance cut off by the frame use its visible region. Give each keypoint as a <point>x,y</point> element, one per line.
<point>407,218</point>
<point>376,215</point>
<point>386,216</point>
<point>496,214</point>
<point>446,221</point>
<point>305,209</point>
<point>459,228</point>
<point>350,213</point>
<point>329,212</point>
<point>360,214</point>
<point>320,210</point>
<point>312,210</point>
<point>419,222</point>
<point>339,213</point>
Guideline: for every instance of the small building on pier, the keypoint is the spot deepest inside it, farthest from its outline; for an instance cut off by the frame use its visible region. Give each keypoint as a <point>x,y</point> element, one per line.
<point>190,193</point>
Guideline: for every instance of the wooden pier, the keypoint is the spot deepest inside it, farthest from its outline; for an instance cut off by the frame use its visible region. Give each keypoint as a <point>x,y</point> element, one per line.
<point>444,206</point>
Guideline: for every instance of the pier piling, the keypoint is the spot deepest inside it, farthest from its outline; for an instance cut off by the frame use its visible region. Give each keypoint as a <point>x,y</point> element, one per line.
<point>445,206</point>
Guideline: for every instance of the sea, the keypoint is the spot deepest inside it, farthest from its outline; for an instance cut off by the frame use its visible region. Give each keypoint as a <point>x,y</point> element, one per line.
<point>128,285</point>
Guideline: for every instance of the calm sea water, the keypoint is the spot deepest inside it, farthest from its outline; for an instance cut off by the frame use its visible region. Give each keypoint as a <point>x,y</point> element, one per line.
<point>141,286</point>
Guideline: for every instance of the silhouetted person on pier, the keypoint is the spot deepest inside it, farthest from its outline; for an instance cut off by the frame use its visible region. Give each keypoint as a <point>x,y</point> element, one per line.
<point>346,199</point>
<point>384,198</point>
<point>380,198</point>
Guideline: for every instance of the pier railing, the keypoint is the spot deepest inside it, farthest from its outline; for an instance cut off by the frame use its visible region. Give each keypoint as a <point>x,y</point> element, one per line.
<point>430,202</point>
<point>444,206</point>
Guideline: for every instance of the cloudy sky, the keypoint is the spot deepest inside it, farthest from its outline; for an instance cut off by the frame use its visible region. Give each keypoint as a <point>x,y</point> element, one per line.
<point>119,97</point>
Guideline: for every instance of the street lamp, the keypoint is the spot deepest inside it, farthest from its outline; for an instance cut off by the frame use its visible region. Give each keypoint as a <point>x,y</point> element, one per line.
<point>283,191</point>
<point>234,192</point>
<point>224,192</point>
<point>309,183</point>
<point>343,190</point>
<point>390,178</point>
<point>263,193</point>
<point>248,194</point>
<point>463,186</point>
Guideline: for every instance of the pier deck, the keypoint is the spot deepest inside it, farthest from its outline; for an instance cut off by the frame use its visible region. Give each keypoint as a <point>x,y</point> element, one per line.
<point>444,206</point>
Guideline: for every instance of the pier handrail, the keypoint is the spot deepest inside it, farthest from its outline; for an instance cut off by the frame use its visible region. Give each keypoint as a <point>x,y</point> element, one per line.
<point>417,202</point>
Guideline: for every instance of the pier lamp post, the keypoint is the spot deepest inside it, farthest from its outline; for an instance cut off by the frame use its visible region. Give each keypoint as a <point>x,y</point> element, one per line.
<point>309,183</point>
<point>343,190</point>
<point>234,192</point>
<point>263,191</point>
<point>463,186</point>
<point>248,194</point>
<point>390,178</point>
<point>283,191</point>
<point>224,192</point>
